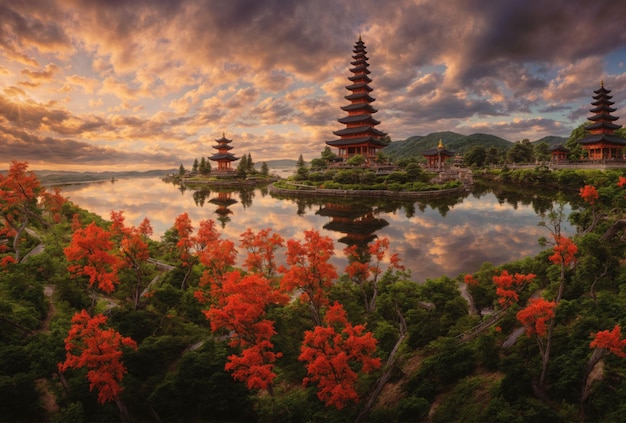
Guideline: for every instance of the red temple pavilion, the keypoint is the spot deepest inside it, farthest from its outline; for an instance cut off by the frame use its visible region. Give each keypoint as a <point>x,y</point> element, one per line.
<point>558,153</point>
<point>436,157</point>
<point>359,137</point>
<point>223,157</point>
<point>602,143</point>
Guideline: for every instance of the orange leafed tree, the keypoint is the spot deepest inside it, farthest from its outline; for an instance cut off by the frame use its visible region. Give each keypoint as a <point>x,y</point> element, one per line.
<point>90,254</point>
<point>589,194</point>
<point>239,307</point>
<point>132,250</point>
<point>336,354</point>
<point>535,316</point>
<point>509,286</point>
<point>98,349</point>
<point>564,251</point>
<point>309,270</point>
<point>22,201</point>
<point>261,247</point>
<point>610,341</point>
<point>365,271</point>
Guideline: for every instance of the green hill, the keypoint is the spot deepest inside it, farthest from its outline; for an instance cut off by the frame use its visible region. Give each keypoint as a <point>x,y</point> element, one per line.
<point>415,145</point>
<point>551,140</point>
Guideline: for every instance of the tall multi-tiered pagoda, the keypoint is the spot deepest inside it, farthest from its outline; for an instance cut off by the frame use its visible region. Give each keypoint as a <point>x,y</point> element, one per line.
<point>360,135</point>
<point>602,143</point>
<point>223,157</point>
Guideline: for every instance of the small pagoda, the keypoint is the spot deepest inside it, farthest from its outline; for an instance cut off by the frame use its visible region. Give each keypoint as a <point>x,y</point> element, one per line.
<point>223,157</point>
<point>359,137</point>
<point>602,143</point>
<point>558,153</point>
<point>436,157</point>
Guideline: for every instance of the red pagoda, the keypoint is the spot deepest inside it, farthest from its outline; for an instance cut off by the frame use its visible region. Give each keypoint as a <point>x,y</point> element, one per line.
<point>436,157</point>
<point>602,143</point>
<point>359,137</point>
<point>558,153</point>
<point>223,157</point>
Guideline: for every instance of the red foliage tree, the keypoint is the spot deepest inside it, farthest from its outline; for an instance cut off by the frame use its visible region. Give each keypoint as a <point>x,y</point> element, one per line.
<point>261,248</point>
<point>22,200</point>
<point>509,286</point>
<point>535,316</point>
<point>365,271</point>
<point>239,306</point>
<point>589,194</point>
<point>309,270</point>
<point>610,341</point>
<point>335,354</point>
<point>132,250</point>
<point>99,350</point>
<point>90,254</point>
<point>564,251</point>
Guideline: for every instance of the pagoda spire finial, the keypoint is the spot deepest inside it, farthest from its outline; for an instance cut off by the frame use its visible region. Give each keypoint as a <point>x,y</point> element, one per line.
<point>440,143</point>
<point>602,83</point>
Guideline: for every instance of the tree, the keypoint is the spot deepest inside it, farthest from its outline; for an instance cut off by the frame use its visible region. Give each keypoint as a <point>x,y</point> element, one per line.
<point>250,164</point>
<point>302,171</point>
<point>100,351</point>
<point>194,168</point>
<point>365,273</point>
<point>239,306</point>
<point>475,157</point>
<point>181,170</point>
<point>356,160</point>
<point>309,270</point>
<point>509,286</point>
<point>261,248</point>
<point>90,254</point>
<point>541,151</point>
<point>133,250</point>
<point>336,354</point>
<point>20,195</point>
<point>242,167</point>
<point>575,149</point>
<point>265,170</point>
<point>521,152</point>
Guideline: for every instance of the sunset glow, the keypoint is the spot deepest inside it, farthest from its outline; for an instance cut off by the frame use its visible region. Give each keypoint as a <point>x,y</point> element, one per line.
<point>142,85</point>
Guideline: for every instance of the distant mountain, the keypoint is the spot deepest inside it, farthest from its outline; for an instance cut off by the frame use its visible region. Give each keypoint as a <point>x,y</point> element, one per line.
<point>461,144</point>
<point>415,145</point>
<point>278,164</point>
<point>551,140</point>
<point>51,177</point>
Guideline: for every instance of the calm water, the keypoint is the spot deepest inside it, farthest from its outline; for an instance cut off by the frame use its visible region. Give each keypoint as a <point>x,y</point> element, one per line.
<point>445,237</point>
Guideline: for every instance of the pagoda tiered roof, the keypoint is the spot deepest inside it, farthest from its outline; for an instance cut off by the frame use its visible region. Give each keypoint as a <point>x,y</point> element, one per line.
<point>602,142</point>
<point>363,139</point>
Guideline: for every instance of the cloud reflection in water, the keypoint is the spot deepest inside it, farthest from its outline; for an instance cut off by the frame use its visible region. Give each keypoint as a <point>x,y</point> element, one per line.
<point>473,231</point>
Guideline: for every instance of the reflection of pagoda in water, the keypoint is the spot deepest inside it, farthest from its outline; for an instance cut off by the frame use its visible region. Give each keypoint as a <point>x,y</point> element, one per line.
<point>357,221</point>
<point>223,202</point>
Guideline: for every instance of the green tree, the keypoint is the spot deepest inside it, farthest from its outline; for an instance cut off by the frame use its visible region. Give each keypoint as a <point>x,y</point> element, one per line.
<point>575,149</point>
<point>356,160</point>
<point>242,168</point>
<point>181,170</point>
<point>195,165</point>
<point>493,156</point>
<point>541,151</point>
<point>265,169</point>
<point>475,157</point>
<point>521,152</point>
<point>250,164</point>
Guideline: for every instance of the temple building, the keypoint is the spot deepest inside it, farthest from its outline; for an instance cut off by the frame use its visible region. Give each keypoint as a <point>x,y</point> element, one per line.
<point>602,143</point>
<point>359,137</point>
<point>436,157</point>
<point>223,157</point>
<point>558,153</point>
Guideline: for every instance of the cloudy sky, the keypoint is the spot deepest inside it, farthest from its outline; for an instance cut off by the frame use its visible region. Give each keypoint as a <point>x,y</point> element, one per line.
<point>148,84</point>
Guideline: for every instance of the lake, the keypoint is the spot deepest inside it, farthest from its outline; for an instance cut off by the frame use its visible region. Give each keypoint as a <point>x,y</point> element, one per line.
<point>435,238</point>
